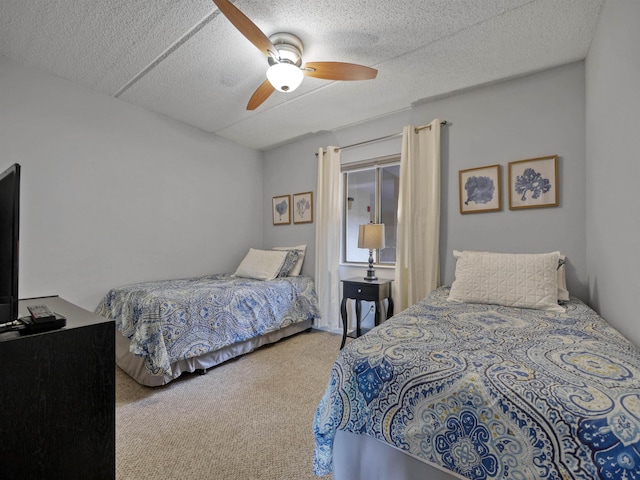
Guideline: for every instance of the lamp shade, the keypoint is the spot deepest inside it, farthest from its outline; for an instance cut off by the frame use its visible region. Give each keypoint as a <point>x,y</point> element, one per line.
<point>285,77</point>
<point>371,236</point>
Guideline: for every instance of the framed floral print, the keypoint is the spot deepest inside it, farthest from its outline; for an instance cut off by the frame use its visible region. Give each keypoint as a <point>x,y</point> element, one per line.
<point>303,207</point>
<point>533,183</point>
<point>281,210</point>
<point>480,189</point>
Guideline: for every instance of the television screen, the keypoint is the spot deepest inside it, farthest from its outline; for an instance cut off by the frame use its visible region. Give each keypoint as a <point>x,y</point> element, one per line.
<point>9,235</point>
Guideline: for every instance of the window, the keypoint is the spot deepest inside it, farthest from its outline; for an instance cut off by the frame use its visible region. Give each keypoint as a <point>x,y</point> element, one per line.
<point>371,195</point>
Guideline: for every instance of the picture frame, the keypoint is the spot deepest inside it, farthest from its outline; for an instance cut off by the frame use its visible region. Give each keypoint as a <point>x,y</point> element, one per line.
<point>303,207</point>
<point>533,183</point>
<point>281,209</point>
<point>480,189</point>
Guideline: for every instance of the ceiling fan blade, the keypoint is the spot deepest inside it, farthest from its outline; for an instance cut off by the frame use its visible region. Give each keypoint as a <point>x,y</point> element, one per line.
<point>260,95</point>
<point>339,71</point>
<point>246,27</point>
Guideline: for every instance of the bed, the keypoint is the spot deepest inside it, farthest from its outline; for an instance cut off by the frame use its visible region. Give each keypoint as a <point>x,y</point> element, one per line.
<point>165,328</point>
<point>454,389</point>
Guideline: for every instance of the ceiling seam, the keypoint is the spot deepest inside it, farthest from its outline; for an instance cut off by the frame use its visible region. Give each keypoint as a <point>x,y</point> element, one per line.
<point>452,34</point>
<point>202,23</point>
<point>172,48</point>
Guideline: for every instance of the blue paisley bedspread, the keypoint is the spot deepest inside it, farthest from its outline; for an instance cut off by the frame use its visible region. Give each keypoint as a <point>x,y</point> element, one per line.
<point>491,392</point>
<point>171,320</point>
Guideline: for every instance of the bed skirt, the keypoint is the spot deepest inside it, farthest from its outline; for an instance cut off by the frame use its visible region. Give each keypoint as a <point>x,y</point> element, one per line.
<point>361,457</point>
<point>134,365</point>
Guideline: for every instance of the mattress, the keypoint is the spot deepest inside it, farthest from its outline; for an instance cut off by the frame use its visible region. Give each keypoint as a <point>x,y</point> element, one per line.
<point>168,323</point>
<point>486,391</point>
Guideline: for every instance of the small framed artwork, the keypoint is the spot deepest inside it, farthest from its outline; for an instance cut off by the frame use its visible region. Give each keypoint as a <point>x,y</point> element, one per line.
<point>281,210</point>
<point>303,207</point>
<point>480,189</point>
<point>533,183</point>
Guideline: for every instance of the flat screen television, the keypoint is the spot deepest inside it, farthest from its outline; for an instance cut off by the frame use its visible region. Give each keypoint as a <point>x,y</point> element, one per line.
<point>9,242</point>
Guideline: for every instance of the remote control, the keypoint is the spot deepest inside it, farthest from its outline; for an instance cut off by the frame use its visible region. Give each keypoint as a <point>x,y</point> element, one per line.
<point>40,313</point>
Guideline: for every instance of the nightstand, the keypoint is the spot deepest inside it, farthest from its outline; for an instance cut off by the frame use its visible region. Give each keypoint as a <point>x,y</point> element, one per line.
<point>360,290</point>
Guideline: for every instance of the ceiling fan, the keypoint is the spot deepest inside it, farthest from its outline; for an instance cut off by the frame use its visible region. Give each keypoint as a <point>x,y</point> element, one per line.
<point>284,54</point>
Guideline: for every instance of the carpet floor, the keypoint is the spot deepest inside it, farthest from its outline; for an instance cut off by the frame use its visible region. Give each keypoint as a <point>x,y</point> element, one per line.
<point>248,419</point>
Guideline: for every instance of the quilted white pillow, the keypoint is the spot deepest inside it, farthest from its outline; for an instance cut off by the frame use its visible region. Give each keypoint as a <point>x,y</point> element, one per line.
<point>509,279</point>
<point>302,249</point>
<point>261,264</point>
<point>563,293</point>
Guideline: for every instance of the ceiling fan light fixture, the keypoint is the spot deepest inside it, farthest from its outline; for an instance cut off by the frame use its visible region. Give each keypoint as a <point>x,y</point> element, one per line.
<point>285,77</point>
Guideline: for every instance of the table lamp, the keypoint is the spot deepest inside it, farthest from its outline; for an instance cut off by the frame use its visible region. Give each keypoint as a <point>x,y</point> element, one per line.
<point>371,236</point>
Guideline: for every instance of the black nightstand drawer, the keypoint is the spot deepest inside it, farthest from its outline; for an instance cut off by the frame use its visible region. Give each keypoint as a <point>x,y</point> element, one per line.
<point>361,291</point>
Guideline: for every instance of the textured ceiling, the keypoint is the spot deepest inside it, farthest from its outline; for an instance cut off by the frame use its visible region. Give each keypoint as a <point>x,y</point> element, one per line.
<point>185,60</point>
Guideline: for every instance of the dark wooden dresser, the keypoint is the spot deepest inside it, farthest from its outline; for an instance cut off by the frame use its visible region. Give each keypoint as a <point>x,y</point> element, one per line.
<point>57,398</point>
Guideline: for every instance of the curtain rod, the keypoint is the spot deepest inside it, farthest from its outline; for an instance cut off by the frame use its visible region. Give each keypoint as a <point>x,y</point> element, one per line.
<point>393,135</point>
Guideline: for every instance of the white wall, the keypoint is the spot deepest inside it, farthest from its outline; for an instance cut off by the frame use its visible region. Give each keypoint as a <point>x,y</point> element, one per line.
<point>291,169</point>
<point>534,116</point>
<point>613,166</point>
<point>112,194</point>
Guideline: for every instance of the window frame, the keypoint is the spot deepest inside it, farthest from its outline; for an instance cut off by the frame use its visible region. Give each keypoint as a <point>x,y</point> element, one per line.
<point>375,164</point>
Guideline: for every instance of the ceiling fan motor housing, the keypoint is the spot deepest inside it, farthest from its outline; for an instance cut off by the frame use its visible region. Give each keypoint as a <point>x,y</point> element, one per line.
<point>289,48</point>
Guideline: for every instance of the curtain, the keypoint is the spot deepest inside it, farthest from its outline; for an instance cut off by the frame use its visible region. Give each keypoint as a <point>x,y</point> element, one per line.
<point>417,255</point>
<point>328,225</point>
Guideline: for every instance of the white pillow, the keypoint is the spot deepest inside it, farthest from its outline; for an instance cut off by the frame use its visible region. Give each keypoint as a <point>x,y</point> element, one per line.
<point>509,279</point>
<point>261,264</point>
<point>563,293</point>
<point>302,249</point>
